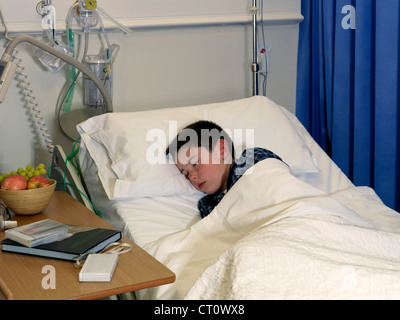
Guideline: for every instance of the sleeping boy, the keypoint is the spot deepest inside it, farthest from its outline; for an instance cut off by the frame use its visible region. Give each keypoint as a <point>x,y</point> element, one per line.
<point>204,154</point>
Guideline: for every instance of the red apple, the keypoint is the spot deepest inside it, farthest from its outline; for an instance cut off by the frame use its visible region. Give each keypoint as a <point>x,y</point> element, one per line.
<point>14,182</point>
<point>38,182</point>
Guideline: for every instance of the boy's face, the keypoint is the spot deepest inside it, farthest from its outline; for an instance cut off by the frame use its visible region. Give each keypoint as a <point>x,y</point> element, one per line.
<point>207,171</point>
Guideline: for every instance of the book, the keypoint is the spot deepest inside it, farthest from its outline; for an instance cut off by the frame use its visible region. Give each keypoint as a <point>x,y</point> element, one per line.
<point>36,233</point>
<point>81,240</point>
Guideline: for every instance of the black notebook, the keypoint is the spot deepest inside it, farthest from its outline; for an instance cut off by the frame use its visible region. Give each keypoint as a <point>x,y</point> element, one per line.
<point>83,240</point>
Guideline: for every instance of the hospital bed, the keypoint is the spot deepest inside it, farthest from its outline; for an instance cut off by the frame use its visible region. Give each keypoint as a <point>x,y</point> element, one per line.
<point>293,230</point>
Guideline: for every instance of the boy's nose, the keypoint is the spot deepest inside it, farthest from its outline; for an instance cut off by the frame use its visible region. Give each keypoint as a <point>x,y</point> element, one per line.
<point>192,176</point>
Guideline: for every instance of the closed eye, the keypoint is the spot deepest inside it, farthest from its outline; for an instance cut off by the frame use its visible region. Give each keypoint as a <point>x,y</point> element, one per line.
<point>185,173</point>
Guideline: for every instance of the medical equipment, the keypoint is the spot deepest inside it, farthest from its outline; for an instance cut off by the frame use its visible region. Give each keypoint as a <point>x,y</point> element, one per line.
<point>264,51</point>
<point>54,62</point>
<point>6,75</point>
<point>86,13</point>
<point>48,13</point>
<point>261,51</point>
<point>101,67</point>
<point>8,65</point>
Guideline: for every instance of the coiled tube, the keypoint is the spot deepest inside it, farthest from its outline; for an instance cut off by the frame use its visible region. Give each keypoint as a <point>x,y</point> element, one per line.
<point>31,98</point>
<point>25,84</point>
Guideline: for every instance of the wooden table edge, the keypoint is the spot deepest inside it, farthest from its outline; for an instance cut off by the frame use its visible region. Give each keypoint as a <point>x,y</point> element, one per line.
<point>6,293</point>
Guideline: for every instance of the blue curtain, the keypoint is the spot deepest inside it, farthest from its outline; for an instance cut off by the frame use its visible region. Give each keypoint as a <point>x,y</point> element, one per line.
<point>348,88</point>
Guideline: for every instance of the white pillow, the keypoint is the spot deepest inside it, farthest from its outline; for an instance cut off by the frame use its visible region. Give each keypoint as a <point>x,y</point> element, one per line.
<point>121,144</point>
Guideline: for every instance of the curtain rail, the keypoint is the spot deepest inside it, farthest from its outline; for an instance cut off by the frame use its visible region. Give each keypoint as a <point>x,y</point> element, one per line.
<point>163,23</point>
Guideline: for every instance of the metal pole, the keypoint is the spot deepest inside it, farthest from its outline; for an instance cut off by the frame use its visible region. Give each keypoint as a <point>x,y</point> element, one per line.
<point>255,67</point>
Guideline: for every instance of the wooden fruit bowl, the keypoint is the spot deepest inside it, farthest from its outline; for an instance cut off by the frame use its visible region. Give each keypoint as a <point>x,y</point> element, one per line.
<point>29,201</point>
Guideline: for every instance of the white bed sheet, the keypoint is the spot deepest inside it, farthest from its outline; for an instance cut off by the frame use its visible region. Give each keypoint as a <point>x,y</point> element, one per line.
<point>151,220</point>
<point>146,219</point>
<point>274,236</point>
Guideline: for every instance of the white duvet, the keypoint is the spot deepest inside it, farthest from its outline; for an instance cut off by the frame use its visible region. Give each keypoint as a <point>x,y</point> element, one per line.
<point>273,236</point>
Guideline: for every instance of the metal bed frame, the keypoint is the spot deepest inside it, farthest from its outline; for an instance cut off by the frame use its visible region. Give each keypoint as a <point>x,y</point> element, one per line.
<point>67,177</point>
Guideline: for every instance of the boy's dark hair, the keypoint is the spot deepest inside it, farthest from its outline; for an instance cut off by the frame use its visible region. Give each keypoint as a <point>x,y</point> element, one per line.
<point>204,133</point>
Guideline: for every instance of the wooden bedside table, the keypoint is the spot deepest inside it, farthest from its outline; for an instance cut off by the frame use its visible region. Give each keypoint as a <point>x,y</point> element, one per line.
<point>21,275</point>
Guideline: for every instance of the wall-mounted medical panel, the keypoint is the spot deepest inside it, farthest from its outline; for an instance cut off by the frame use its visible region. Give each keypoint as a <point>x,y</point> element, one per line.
<point>21,15</point>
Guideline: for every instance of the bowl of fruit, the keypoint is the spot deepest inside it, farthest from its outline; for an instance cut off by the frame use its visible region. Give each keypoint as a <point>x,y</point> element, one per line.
<point>27,192</point>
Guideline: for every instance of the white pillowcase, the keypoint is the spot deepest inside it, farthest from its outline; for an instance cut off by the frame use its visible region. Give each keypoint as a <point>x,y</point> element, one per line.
<point>121,144</point>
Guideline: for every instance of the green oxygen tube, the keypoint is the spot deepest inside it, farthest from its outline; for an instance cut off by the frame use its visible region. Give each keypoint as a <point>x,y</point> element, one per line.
<point>72,74</point>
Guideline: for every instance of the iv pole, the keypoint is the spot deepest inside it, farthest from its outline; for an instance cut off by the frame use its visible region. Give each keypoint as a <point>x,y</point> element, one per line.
<point>255,66</point>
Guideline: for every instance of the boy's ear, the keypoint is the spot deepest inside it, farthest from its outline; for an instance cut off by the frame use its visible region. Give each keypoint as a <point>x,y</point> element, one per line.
<point>223,148</point>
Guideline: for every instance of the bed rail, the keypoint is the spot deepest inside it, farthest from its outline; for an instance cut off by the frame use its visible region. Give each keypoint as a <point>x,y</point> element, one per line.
<point>67,177</point>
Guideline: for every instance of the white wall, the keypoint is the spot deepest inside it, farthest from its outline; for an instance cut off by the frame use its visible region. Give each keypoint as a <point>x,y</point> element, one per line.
<point>173,65</point>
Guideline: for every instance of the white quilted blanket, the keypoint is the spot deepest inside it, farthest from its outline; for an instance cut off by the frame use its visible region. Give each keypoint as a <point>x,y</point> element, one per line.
<point>274,236</point>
